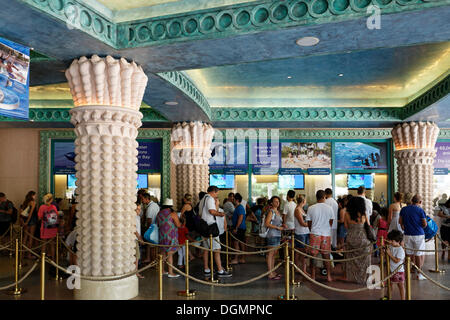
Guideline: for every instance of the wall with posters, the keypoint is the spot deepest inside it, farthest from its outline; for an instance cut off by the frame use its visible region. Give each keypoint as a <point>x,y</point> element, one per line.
<point>442,159</point>
<point>14,79</point>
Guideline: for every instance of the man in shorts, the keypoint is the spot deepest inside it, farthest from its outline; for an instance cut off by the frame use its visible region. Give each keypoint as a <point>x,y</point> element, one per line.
<point>320,219</point>
<point>413,221</point>
<point>208,211</point>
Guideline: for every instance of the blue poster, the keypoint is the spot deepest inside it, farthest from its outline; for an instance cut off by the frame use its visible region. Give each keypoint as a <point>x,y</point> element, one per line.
<point>442,159</point>
<point>14,79</point>
<point>265,158</point>
<point>149,156</point>
<point>359,155</point>
<point>229,157</point>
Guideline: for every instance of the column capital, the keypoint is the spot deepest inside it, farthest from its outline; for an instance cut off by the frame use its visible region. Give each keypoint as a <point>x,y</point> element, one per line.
<point>415,135</point>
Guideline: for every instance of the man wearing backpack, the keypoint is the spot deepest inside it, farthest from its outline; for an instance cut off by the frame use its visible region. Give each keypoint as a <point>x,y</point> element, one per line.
<point>208,211</point>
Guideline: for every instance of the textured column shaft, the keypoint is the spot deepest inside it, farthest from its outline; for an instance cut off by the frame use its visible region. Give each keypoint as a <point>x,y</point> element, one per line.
<point>107,95</point>
<point>191,153</point>
<point>414,143</point>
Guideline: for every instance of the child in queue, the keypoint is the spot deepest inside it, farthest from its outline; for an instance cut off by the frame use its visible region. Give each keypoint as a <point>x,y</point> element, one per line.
<point>396,255</point>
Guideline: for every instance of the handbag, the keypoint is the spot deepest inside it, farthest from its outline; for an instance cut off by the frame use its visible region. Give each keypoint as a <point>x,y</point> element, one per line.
<point>369,233</point>
<point>204,229</point>
<point>25,212</point>
<point>152,234</point>
<point>431,229</point>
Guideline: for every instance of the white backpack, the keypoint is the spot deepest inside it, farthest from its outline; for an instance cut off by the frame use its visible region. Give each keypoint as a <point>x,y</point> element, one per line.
<point>263,230</point>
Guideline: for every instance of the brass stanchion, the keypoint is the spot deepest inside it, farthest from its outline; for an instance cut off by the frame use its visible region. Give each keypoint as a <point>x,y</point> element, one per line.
<point>187,292</point>
<point>388,270</point>
<point>380,252</point>
<point>229,268</point>
<point>17,291</point>
<point>57,277</point>
<point>10,237</point>
<point>160,282</point>
<point>212,259</point>
<point>293,282</point>
<point>286,295</point>
<point>408,278</point>
<point>43,275</point>
<point>436,257</point>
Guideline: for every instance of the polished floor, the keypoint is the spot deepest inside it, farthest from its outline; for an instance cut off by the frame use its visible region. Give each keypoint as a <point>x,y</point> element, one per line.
<point>262,289</point>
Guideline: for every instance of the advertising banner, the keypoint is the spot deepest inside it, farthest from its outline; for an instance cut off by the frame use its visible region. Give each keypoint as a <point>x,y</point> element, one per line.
<point>301,157</point>
<point>442,159</point>
<point>229,158</point>
<point>265,158</point>
<point>14,79</point>
<point>149,156</point>
<point>360,156</point>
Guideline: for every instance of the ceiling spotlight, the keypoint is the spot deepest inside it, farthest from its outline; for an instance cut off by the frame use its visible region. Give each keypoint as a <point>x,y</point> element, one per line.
<point>171,103</point>
<point>289,77</point>
<point>340,74</point>
<point>307,41</point>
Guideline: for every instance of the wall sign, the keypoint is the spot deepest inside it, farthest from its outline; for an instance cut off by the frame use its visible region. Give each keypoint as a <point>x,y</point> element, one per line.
<point>442,159</point>
<point>360,155</point>
<point>229,158</point>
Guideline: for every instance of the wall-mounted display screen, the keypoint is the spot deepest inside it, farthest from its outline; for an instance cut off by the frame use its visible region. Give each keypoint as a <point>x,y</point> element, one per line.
<point>142,181</point>
<point>359,155</point>
<point>296,181</point>
<point>222,181</point>
<point>71,181</point>
<point>354,181</point>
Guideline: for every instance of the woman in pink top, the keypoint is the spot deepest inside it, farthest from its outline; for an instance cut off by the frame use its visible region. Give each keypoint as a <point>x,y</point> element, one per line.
<point>48,215</point>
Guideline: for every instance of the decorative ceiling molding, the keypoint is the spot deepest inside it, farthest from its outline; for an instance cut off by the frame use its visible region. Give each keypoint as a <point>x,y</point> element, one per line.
<point>180,81</point>
<point>216,22</point>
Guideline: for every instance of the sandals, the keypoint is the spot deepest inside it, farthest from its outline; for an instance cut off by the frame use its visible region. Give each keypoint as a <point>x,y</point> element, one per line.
<point>277,277</point>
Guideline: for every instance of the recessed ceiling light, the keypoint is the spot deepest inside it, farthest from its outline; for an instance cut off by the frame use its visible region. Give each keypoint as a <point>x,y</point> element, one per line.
<point>340,74</point>
<point>289,77</point>
<point>171,103</point>
<point>307,41</point>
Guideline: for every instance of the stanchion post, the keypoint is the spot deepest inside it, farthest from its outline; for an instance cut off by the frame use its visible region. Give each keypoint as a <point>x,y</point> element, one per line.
<point>286,295</point>
<point>43,275</point>
<point>388,270</point>
<point>381,260</point>
<point>17,291</point>
<point>293,282</point>
<point>187,292</point>
<point>10,237</point>
<point>436,257</point>
<point>408,278</point>
<point>20,252</point>
<point>212,258</point>
<point>160,282</point>
<point>57,277</point>
<point>226,254</point>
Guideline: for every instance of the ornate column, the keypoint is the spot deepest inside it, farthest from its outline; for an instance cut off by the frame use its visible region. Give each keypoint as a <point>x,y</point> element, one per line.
<point>107,94</point>
<point>414,150</point>
<point>191,151</point>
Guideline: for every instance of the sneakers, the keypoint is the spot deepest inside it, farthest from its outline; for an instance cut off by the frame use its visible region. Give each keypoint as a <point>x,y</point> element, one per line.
<point>223,274</point>
<point>420,277</point>
<point>207,272</point>
<point>173,276</point>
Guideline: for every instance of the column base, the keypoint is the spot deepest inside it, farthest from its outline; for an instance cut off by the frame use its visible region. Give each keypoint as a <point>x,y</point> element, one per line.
<point>122,289</point>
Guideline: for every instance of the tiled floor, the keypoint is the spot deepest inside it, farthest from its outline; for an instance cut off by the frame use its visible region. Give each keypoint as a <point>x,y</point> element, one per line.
<point>262,289</point>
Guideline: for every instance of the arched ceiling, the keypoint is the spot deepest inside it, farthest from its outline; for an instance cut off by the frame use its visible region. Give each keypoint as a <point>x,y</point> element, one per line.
<point>233,71</point>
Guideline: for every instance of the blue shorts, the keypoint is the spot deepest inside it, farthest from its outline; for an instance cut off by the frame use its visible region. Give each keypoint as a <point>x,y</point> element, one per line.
<point>273,241</point>
<point>303,238</point>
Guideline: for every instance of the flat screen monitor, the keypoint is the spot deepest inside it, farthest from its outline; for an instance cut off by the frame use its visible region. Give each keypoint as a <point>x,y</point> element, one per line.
<point>71,181</point>
<point>296,181</point>
<point>142,181</point>
<point>222,181</point>
<point>354,181</point>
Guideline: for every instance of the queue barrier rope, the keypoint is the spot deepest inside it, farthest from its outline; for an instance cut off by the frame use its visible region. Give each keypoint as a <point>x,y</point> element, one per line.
<point>7,246</point>
<point>226,284</point>
<point>347,290</point>
<point>340,260</point>
<point>430,279</point>
<point>239,253</point>
<point>248,245</point>
<point>26,275</point>
<point>165,245</point>
<point>6,232</point>
<point>335,251</point>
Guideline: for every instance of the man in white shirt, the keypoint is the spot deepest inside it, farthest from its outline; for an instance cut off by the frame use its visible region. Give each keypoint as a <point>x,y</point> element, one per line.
<point>320,219</point>
<point>369,205</point>
<point>334,205</point>
<point>289,209</point>
<point>207,211</point>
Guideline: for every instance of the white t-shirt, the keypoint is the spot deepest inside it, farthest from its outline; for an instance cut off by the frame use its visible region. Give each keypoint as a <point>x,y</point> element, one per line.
<point>207,203</point>
<point>288,210</point>
<point>320,215</point>
<point>228,208</point>
<point>152,211</point>
<point>138,224</point>
<point>399,253</point>
<point>369,207</point>
<point>334,205</point>
<point>221,222</point>
<point>300,229</point>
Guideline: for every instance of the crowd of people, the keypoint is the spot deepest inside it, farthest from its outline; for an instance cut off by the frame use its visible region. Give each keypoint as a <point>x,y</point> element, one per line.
<point>330,228</point>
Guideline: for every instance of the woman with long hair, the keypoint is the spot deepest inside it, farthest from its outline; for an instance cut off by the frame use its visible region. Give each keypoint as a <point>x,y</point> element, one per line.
<point>28,213</point>
<point>274,222</point>
<point>301,231</point>
<point>394,213</point>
